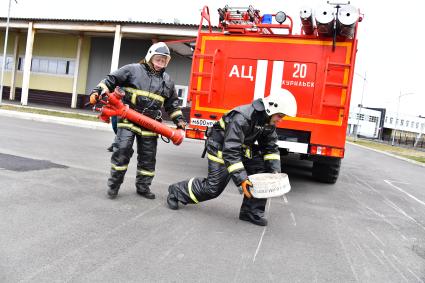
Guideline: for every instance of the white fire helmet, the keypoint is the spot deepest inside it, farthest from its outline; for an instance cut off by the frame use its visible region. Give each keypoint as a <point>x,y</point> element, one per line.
<point>280,101</point>
<point>159,48</point>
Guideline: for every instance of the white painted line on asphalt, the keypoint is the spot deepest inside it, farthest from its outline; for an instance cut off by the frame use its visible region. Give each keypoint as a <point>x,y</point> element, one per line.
<point>97,240</point>
<point>262,235</point>
<point>389,154</point>
<point>383,218</point>
<point>374,254</point>
<point>365,257</point>
<point>373,211</point>
<point>401,211</point>
<point>376,237</point>
<point>259,245</point>
<point>347,257</point>
<point>398,182</point>
<point>404,192</point>
<point>408,269</point>
<point>392,205</point>
<point>293,218</point>
<point>415,275</point>
<point>393,266</point>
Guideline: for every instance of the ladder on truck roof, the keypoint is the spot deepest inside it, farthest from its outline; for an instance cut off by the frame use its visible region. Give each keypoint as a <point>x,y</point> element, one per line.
<point>209,73</point>
<point>326,84</point>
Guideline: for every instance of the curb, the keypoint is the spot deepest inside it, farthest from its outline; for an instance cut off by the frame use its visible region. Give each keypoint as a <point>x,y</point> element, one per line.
<point>48,109</point>
<point>56,120</point>
<point>389,154</point>
<point>62,120</point>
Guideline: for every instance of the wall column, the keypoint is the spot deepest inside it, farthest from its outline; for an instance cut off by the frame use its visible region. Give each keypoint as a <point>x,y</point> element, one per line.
<point>27,64</point>
<point>14,67</point>
<point>116,50</point>
<point>76,72</point>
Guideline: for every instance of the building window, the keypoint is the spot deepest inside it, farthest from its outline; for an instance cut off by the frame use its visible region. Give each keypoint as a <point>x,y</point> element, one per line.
<point>56,66</point>
<point>407,123</point>
<point>402,122</point>
<point>20,63</point>
<point>45,65</point>
<point>9,62</point>
<point>386,119</point>
<point>391,120</point>
<point>360,116</point>
<point>61,69</point>
<point>182,94</point>
<point>417,125</point>
<point>70,67</point>
<point>53,67</point>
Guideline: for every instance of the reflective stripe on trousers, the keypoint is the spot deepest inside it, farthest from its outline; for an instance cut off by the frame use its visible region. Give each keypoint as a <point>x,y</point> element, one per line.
<point>200,189</point>
<point>191,194</point>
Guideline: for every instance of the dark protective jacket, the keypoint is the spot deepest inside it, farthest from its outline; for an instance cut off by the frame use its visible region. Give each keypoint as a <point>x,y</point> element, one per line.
<point>240,132</point>
<point>146,91</point>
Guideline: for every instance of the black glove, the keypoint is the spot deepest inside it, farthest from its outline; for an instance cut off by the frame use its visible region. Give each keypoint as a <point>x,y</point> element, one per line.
<point>181,125</point>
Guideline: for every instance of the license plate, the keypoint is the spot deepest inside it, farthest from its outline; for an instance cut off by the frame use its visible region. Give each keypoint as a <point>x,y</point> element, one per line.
<point>202,122</point>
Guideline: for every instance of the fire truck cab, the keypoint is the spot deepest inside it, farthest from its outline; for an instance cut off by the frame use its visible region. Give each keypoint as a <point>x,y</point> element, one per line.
<point>250,54</point>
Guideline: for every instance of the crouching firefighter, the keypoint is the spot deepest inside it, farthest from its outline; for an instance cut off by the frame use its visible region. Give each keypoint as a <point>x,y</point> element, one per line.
<point>243,142</point>
<point>147,88</point>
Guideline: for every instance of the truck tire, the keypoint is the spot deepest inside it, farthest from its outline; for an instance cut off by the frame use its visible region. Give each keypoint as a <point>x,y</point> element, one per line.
<point>326,172</point>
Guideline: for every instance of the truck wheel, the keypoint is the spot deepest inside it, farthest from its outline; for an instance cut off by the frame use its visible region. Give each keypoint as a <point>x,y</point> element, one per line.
<point>326,172</point>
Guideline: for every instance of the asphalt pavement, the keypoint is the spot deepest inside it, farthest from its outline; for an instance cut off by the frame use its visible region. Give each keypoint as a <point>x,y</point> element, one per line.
<point>58,225</point>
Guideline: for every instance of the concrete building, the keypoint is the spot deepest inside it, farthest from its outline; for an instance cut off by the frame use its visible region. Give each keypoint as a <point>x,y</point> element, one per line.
<point>364,122</point>
<point>404,125</point>
<point>59,61</point>
<point>379,123</point>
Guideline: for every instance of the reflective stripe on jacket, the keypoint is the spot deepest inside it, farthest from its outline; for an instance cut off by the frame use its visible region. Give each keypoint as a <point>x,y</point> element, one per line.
<point>241,131</point>
<point>145,91</point>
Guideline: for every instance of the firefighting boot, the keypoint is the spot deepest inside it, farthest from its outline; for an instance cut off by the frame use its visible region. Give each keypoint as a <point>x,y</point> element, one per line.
<point>112,193</point>
<point>146,193</point>
<point>172,200</point>
<point>254,219</point>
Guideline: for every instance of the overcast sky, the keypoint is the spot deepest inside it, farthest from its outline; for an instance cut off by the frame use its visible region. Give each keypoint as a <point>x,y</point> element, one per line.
<point>391,50</point>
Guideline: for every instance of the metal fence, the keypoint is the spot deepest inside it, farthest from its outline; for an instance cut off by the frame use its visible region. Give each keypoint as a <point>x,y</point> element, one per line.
<point>405,140</point>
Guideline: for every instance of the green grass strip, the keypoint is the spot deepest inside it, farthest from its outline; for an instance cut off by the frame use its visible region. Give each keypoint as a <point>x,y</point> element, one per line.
<point>409,153</point>
<point>51,113</point>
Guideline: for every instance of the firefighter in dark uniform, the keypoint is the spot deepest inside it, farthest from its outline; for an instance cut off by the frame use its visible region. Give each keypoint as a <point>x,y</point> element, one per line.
<point>241,143</point>
<point>147,88</point>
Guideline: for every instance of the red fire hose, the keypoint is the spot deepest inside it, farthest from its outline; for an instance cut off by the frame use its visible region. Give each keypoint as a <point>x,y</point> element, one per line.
<point>113,106</point>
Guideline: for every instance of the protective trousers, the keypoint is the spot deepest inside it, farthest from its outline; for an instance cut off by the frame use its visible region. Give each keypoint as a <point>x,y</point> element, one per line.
<point>146,158</point>
<point>202,189</point>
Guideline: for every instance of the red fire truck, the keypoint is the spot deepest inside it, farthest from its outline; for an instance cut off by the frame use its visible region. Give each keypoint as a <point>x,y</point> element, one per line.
<point>249,54</point>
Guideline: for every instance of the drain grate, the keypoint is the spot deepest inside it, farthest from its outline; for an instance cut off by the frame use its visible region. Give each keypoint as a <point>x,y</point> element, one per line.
<point>23,164</point>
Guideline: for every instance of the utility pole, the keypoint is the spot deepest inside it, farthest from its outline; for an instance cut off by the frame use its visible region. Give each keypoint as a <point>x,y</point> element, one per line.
<point>360,107</point>
<point>396,119</point>
<point>420,133</point>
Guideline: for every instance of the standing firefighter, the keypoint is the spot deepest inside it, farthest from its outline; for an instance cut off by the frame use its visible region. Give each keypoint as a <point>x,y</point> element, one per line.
<point>242,143</point>
<point>147,88</point>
